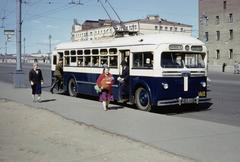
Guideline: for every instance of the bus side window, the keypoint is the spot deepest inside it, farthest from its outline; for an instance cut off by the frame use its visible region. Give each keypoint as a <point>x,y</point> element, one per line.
<point>67,59</point>
<point>143,60</point>
<point>113,61</point>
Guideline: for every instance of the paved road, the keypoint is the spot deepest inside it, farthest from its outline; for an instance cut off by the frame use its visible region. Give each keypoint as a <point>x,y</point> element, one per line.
<point>35,135</point>
<point>224,89</point>
<point>196,139</point>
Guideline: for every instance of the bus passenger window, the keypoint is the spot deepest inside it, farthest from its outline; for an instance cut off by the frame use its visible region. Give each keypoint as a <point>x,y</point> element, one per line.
<point>137,60</point>
<point>104,61</point>
<point>67,60</point>
<point>73,52</point>
<point>113,61</point>
<point>80,61</point>
<point>66,53</point>
<point>143,60</point>
<point>95,51</point>
<point>73,59</point>
<point>95,60</point>
<point>87,52</point>
<point>79,52</point>
<point>103,51</point>
<point>87,61</point>
<point>112,51</point>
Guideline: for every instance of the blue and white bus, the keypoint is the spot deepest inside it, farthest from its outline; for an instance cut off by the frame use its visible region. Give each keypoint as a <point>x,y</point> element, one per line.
<point>165,69</point>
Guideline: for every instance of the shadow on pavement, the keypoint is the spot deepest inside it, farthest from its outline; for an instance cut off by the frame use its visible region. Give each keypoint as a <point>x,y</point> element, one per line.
<point>48,100</point>
<point>167,110</point>
<point>115,107</point>
<point>175,110</point>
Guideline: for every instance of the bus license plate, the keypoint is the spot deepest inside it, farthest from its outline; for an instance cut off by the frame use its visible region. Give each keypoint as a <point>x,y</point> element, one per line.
<point>188,100</point>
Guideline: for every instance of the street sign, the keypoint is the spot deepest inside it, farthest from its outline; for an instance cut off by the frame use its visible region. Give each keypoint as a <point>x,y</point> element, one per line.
<point>9,32</point>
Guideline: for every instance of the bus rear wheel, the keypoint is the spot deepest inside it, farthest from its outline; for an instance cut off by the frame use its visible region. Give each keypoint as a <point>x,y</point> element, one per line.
<point>72,88</point>
<point>142,99</point>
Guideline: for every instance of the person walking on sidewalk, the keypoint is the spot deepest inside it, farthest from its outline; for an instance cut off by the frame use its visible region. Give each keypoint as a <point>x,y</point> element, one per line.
<point>105,82</point>
<point>36,81</point>
<point>58,74</point>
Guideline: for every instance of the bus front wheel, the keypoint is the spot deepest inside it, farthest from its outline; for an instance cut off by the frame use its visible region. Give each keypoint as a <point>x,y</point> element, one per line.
<point>72,88</point>
<point>142,99</point>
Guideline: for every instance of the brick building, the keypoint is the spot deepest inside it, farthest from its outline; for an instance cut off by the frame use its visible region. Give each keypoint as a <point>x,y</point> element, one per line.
<point>219,28</point>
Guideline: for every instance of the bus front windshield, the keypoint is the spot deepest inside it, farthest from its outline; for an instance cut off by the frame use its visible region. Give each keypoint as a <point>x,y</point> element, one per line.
<point>181,60</point>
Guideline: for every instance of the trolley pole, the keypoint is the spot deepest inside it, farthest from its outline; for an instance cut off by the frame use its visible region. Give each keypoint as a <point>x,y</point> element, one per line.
<point>19,79</point>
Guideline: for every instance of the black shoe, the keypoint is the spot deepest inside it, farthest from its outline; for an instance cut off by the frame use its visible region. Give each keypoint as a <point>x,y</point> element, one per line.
<point>51,91</point>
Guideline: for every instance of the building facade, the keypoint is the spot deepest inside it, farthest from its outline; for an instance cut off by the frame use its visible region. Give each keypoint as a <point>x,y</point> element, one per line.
<point>94,30</point>
<point>219,28</point>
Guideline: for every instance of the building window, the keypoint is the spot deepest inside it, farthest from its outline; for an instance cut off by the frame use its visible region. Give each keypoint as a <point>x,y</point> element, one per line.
<point>156,27</point>
<point>206,36</point>
<point>230,18</point>
<point>217,54</point>
<point>171,28</point>
<point>166,28</point>
<point>224,5</point>
<point>181,29</point>
<point>231,34</point>
<point>218,35</point>
<point>161,28</point>
<point>175,28</point>
<point>230,53</point>
<point>217,20</point>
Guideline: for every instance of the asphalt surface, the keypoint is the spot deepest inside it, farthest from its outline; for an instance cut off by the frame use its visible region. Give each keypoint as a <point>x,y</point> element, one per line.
<point>195,139</point>
<point>224,90</point>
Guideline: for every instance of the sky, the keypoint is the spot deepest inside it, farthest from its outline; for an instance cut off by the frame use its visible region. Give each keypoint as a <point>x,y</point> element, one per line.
<point>41,18</point>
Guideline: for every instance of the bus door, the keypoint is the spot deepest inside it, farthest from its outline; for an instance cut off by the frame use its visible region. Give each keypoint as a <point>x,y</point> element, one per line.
<point>124,56</point>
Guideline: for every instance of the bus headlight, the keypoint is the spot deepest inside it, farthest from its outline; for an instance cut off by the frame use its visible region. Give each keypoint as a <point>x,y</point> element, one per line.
<point>165,85</point>
<point>204,84</point>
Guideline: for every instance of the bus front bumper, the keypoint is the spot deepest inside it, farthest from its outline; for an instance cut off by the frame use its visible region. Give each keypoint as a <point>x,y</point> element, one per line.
<point>180,101</point>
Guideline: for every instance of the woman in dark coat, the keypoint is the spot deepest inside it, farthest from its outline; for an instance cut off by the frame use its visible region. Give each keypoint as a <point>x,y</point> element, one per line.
<point>36,81</point>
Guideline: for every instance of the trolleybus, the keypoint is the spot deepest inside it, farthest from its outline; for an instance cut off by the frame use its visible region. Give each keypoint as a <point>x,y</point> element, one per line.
<point>164,69</point>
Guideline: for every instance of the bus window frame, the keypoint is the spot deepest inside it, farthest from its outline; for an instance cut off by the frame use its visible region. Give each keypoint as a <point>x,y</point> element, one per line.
<point>143,60</point>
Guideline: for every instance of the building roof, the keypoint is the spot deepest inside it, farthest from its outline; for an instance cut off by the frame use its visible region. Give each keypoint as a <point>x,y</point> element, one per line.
<point>153,19</point>
<point>151,39</point>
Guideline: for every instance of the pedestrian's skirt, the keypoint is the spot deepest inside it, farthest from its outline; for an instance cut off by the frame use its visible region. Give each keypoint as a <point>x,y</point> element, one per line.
<point>36,89</point>
<point>105,96</point>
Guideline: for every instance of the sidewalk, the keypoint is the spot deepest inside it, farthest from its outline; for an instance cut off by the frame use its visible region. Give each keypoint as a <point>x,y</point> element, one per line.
<point>196,139</point>
<point>36,135</point>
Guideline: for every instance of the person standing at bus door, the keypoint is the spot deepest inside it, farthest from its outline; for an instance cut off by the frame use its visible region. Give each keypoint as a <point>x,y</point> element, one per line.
<point>124,82</point>
<point>58,74</point>
<point>105,82</point>
<point>36,81</point>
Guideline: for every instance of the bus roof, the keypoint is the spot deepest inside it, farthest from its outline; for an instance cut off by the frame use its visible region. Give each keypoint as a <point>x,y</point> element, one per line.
<point>156,39</point>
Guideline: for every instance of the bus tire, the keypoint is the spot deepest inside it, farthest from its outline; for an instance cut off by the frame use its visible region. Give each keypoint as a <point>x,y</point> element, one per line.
<point>142,99</point>
<point>72,87</point>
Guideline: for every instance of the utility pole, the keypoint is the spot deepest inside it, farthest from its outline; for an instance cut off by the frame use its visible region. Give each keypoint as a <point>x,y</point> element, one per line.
<point>19,79</point>
<point>6,48</point>
<point>18,34</point>
<point>50,47</point>
<point>24,46</point>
